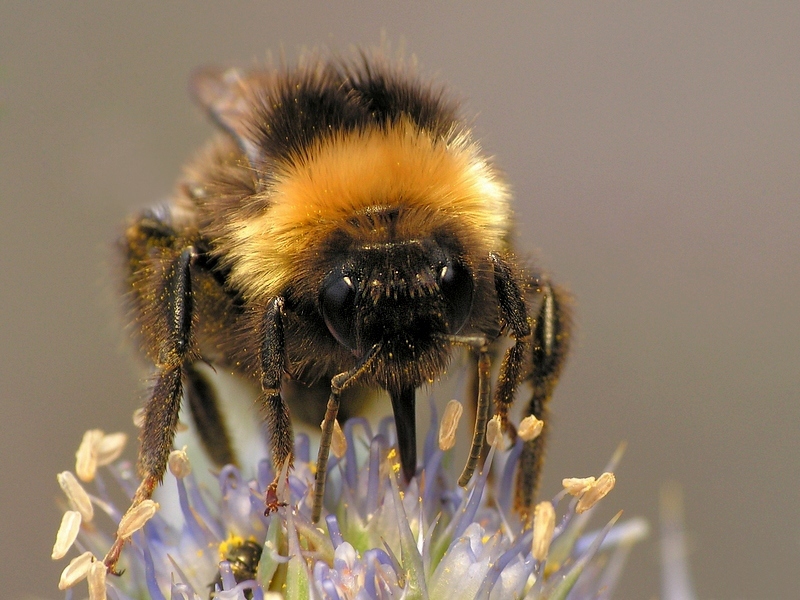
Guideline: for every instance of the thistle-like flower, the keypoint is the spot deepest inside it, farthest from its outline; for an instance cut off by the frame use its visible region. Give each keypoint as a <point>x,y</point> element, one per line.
<point>430,540</point>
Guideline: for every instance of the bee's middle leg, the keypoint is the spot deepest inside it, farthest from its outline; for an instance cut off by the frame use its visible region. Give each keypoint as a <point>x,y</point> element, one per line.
<point>275,409</point>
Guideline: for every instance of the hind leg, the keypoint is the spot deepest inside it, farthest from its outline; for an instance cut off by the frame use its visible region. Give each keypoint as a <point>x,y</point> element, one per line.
<point>551,336</point>
<point>209,422</point>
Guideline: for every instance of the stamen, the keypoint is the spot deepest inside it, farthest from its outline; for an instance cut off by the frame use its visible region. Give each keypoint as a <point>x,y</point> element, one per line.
<point>76,496</point>
<point>133,520</point>
<point>338,441</point>
<point>575,486</point>
<point>544,523</point>
<point>110,448</point>
<point>179,464</point>
<point>598,491</point>
<point>97,581</point>
<point>67,534</point>
<point>86,456</point>
<point>76,570</point>
<point>530,428</point>
<point>494,432</point>
<point>449,425</point>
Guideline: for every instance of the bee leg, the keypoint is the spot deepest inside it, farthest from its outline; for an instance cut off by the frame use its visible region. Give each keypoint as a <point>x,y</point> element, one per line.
<point>338,384</point>
<point>276,411</point>
<point>207,417</point>
<point>481,415</point>
<point>550,345</point>
<point>514,317</point>
<point>161,411</point>
<point>479,344</point>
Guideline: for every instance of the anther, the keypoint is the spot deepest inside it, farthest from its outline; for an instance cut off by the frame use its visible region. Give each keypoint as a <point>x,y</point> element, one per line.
<point>136,517</point>
<point>86,456</point>
<point>530,428</point>
<point>179,464</point>
<point>598,491</point>
<point>544,523</point>
<point>76,496</point>
<point>76,570</point>
<point>67,533</point>
<point>449,425</point>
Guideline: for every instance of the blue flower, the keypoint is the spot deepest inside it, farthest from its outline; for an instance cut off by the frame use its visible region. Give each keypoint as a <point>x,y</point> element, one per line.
<point>430,540</point>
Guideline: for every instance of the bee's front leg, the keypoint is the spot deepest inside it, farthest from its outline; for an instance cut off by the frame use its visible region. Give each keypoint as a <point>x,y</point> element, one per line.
<point>339,383</point>
<point>276,412</point>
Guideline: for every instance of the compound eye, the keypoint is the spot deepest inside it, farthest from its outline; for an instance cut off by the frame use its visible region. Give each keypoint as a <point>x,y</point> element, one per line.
<point>338,301</point>
<point>457,286</point>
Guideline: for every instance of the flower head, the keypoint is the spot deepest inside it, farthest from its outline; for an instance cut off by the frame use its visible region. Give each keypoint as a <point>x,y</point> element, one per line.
<point>377,541</point>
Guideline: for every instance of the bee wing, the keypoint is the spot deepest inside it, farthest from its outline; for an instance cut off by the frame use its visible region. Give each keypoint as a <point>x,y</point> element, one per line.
<point>225,96</point>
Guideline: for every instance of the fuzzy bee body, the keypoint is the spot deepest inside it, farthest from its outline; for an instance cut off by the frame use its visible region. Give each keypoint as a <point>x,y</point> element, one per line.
<point>243,558</point>
<point>342,229</point>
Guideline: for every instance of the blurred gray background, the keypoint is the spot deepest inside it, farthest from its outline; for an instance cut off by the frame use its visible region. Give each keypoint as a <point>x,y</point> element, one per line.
<point>654,150</point>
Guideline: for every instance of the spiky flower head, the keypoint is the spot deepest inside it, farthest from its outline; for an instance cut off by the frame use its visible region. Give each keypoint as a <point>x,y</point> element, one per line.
<point>430,540</point>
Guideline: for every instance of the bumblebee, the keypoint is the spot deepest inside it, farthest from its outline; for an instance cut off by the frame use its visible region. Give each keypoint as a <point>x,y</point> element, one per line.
<point>343,229</point>
<point>243,557</point>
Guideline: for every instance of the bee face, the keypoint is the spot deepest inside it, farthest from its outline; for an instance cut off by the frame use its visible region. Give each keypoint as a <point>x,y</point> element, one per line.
<point>342,228</point>
<point>404,295</point>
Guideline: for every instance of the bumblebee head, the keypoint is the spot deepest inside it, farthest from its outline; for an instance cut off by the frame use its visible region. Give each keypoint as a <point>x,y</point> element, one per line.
<point>402,294</point>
